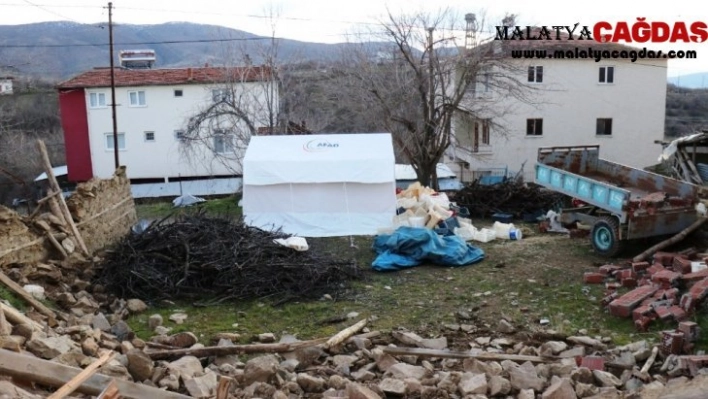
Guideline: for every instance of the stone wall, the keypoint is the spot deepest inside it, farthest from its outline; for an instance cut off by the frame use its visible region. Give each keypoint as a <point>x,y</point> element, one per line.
<point>103,210</point>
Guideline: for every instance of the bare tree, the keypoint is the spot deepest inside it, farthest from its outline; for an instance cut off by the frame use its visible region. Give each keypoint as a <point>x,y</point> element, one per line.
<point>427,78</point>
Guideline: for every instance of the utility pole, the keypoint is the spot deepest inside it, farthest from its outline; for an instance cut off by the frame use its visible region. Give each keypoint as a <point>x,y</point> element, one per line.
<point>113,87</point>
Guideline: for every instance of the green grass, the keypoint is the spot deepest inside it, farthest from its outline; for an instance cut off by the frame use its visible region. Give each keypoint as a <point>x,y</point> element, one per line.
<point>227,206</point>
<point>17,303</point>
<point>528,280</point>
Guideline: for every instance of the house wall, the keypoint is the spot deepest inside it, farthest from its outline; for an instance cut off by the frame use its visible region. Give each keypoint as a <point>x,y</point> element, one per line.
<point>164,114</point>
<point>569,100</point>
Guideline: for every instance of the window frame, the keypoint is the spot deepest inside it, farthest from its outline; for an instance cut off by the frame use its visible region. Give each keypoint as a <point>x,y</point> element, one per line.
<point>606,75</point>
<point>137,95</point>
<point>98,95</point>
<point>179,135</point>
<point>221,95</point>
<point>227,141</point>
<point>534,72</point>
<point>109,147</point>
<point>145,136</point>
<point>604,125</point>
<point>180,91</point>
<point>534,127</point>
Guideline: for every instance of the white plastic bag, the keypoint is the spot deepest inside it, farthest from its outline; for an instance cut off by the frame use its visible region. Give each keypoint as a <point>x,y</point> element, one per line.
<point>296,243</point>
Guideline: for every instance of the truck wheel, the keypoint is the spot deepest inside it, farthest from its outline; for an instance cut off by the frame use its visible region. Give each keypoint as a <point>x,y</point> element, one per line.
<point>605,237</point>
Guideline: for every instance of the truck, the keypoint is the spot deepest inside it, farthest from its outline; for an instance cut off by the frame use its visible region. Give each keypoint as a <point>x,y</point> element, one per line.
<point>619,202</point>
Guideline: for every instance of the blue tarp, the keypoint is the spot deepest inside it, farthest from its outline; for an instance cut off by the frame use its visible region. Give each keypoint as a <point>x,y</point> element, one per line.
<point>411,246</point>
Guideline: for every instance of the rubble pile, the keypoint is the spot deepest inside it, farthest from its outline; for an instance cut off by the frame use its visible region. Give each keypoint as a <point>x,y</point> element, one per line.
<point>509,197</point>
<point>670,288</point>
<point>200,257</point>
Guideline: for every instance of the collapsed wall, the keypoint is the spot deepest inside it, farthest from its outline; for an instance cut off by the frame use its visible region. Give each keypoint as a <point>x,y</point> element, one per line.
<point>103,210</point>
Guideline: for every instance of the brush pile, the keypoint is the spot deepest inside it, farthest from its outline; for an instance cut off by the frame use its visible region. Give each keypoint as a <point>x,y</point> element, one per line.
<point>201,258</point>
<point>512,197</point>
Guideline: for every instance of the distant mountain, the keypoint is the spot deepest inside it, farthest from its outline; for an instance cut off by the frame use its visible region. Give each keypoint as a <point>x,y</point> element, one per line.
<point>58,50</point>
<point>692,81</point>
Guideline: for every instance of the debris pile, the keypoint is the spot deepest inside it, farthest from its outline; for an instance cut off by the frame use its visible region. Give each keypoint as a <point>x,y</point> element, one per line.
<point>669,288</point>
<point>200,257</point>
<point>513,197</point>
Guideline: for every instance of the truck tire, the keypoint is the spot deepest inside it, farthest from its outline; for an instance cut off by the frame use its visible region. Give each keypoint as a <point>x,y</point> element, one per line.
<point>605,237</point>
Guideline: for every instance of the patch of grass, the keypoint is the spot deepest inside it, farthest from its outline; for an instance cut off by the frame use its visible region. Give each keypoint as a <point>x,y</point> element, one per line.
<point>16,302</point>
<point>226,207</point>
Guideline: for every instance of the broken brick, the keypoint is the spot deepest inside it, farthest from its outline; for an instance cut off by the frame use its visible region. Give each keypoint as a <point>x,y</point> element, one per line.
<point>642,324</point>
<point>593,278</point>
<point>613,286</point>
<point>593,362</point>
<point>671,294</point>
<point>625,274</point>
<point>666,277</point>
<point>608,269</point>
<point>642,311</point>
<point>623,306</point>
<point>672,342</point>
<point>609,298</point>
<point>682,265</point>
<point>697,276</point>
<point>640,266</point>
<point>686,303</point>
<point>677,313</point>
<point>655,268</point>
<point>699,290</point>
<point>664,258</point>
<point>663,312</point>
<point>690,330</point>
<point>629,283</point>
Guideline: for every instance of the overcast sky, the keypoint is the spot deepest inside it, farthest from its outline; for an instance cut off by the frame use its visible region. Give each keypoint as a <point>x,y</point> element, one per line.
<point>331,21</point>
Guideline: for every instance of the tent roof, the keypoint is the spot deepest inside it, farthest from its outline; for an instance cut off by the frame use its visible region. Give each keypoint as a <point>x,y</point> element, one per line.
<point>324,158</point>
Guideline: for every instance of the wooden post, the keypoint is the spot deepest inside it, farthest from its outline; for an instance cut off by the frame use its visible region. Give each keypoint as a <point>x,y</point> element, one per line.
<point>17,289</point>
<point>62,204</point>
<point>673,240</point>
<point>84,375</point>
<point>222,391</point>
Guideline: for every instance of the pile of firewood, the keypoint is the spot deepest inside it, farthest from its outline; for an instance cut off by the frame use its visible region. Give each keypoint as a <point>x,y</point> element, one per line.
<point>202,258</point>
<point>512,197</point>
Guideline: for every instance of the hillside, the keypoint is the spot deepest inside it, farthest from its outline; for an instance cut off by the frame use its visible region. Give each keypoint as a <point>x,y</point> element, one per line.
<point>686,110</point>
<point>58,50</point>
<point>692,81</point>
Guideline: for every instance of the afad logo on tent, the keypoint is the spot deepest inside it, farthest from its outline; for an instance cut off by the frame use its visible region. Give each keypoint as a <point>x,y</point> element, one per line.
<point>319,146</point>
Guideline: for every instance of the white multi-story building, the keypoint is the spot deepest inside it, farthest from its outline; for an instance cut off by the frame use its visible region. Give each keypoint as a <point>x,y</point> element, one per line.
<point>5,85</point>
<point>615,103</point>
<point>153,107</point>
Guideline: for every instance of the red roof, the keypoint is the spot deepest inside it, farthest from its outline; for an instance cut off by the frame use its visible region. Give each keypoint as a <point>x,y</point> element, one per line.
<point>101,77</point>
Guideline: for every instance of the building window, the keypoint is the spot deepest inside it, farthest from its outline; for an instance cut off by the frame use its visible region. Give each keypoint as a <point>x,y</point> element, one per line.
<point>223,142</point>
<point>179,135</point>
<point>536,74</point>
<point>149,136</point>
<point>604,127</point>
<point>481,134</point>
<point>109,141</point>
<point>219,95</point>
<point>607,74</point>
<point>179,93</point>
<point>97,100</point>
<point>534,127</point>
<point>137,98</point>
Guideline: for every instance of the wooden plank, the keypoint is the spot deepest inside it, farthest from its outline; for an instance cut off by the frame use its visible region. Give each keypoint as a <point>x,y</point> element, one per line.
<point>53,374</point>
<point>485,356</point>
<point>84,375</point>
<point>344,334</point>
<point>62,204</point>
<point>222,391</point>
<point>17,289</point>
<point>111,391</point>
<point>15,317</point>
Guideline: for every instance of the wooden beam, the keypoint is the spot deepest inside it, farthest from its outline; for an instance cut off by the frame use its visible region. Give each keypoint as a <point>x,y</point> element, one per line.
<point>48,373</point>
<point>673,240</point>
<point>230,350</point>
<point>111,391</point>
<point>84,375</point>
<point>17,289</point>
<point>344,334</point>
<point>15,317</point>
<point>62,204</point>
<point>222,390</point>
<point>484,356</point>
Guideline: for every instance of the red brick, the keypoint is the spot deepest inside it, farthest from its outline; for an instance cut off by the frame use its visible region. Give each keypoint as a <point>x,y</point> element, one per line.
<point>644,280</point>
<point>700,275</point>
<point>642,324</point>
<point>690,330</point>
<point>624,305</point>
<point>678,313</point>
<point>671,294</point>
<point>664,258</point>
<point>666,277</point>
<point>682,265</point>
<point>655,268</point>
<point>613,286</point>
<point>608,269</point>
<point>672,342</point>
<point>687,303</point>
<point>663,312</point>
<point>593,362</point>
<point>593,278</point>
<point>642,311</point>
<point>609,297</point>
<point>699,290</point>
<point>689,253</point>
<point>640,266</point>
<point>625,273</point>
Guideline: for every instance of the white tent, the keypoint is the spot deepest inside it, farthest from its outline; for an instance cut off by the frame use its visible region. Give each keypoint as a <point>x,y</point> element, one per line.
<point>320,185</point>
